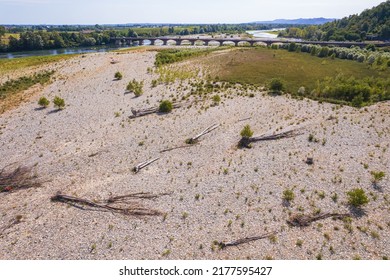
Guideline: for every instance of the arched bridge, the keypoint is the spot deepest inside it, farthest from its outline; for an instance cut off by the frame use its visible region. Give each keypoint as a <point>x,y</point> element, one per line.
<point>119,41</point>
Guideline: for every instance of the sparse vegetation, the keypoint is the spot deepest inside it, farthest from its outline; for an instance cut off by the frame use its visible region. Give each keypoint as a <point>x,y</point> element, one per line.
<point>136,87</point>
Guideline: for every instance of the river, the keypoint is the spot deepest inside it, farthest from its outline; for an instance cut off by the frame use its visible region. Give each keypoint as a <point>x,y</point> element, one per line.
<point>57,52</point>
<point>264,34</point>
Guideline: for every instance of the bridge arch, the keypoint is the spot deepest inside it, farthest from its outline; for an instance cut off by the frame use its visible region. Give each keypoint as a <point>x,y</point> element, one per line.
<point>227,43</point>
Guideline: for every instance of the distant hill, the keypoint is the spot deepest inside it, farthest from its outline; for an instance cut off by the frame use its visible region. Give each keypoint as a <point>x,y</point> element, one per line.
<point>300,21</point>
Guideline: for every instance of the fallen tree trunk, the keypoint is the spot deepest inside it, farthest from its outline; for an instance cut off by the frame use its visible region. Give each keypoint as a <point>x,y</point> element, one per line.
<point>194,139</point>
<point>151,110</point>
<point>245,240</point>
<point>143,165</point>
<point>301,220</point>
<point>133,210</point>
<point>245,141</point>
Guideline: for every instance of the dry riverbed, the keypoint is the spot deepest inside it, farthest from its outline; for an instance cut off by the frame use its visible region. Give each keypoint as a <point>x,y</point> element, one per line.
<point>213,191</point>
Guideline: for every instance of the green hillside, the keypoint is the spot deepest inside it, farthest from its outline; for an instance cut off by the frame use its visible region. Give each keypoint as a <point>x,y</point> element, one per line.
<point>371,24</point>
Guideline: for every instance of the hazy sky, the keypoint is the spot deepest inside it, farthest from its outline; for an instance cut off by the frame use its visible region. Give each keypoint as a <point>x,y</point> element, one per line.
<point>172,11</point>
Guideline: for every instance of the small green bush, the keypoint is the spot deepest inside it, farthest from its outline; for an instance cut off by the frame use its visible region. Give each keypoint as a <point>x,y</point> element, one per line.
<point>165,106</point>
<point>377,176</point>
<point>288,195</point>
<point>276,85</point>
<point>357,198</point>
<point>43,101</point>
<point>216,99</point>
<point>59,102</point>
<point>118,76</point>
<point>246,132</point>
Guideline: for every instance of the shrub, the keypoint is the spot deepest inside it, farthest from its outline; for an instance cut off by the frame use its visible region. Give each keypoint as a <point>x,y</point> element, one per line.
<point>216,99</point>
<point>154,83</point>
<point>136,87</point>
<point>357,101</point>
<point>43,101</point>
<point>59,102</point>
<point>288,195</point>
<point>377,176</point>
<point>165,106</point>
<point>246,132</point>
<point>118,76</point>
<point>324,51</point>
<point>276,85</point>
<point>357,197</point>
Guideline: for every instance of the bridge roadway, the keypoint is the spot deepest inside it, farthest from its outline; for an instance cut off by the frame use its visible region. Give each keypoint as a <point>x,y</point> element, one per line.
<point>178,41</point>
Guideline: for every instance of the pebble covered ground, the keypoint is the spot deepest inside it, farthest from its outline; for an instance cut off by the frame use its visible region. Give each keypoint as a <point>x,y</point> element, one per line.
<point>215,191</point>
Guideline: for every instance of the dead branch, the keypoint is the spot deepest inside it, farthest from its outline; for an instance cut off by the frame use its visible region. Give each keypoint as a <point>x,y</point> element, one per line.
<point>244,119</point>
<point>11,223</point>
<point>245,141</point>
<point>141,195</point>
<point>245,240</point>
<point>194,139</point>
<point>133,210</point>
<point>143,165</point>
<point>21,177</point>
<point>174,148</point>
<point>301,220</point>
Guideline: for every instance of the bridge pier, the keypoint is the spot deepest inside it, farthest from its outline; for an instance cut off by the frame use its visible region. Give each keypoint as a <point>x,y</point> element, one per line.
<point>152,42</point>
<point>178,42</point>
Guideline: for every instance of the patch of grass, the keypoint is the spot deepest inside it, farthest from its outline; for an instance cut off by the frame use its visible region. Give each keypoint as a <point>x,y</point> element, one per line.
<point>175,55</point>
<point>257,66</point>
<point>14,86</point>
<point>8,65</point>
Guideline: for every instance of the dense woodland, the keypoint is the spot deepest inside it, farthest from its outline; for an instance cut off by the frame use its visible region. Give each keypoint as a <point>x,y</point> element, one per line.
<point>26,38</point>
<point>371,24</point>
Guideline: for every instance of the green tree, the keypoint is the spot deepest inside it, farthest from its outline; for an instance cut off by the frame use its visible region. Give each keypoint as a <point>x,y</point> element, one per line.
<point>59,102</point>
<point>43,101</point>
<point>2,31</point>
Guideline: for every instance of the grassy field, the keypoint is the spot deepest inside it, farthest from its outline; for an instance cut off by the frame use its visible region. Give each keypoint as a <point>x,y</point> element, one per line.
<point>258,66</point>
<point>8,65</point>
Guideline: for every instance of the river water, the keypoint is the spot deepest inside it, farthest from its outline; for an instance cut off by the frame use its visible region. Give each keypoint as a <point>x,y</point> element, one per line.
<point>264,33</point>
<point>57,52</point>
